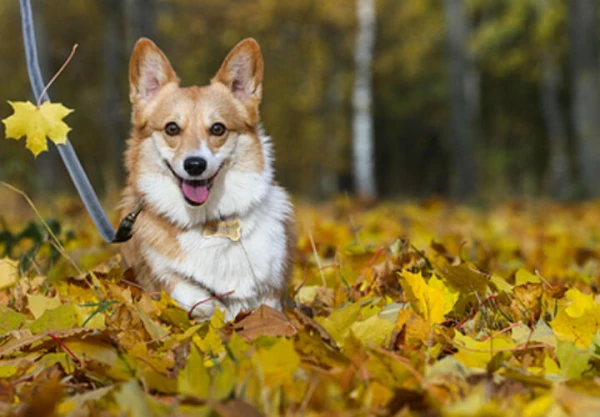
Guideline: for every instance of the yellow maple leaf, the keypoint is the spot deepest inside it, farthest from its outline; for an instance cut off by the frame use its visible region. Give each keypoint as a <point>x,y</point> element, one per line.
<point>540,406</point>
<point>211,342</point>
<point>38,304</point>
<point>432,300</point>
<point>153,327</point>
<point>477,354</point>
<point>37,124</point>
<point>416,330</point>
<point>339,321</point>
<point>579,303</point>
<point>578,329</point>
<point>194,379</point>
<point>278,362</point>
<point>523,277</point>
<point>373,330</point>
<point>9,272</point>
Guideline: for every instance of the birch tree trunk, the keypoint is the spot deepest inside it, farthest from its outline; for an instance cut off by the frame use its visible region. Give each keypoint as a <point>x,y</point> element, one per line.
<point>362,124</point>
<point>585,99</point>
<point>464,93</point>
<point>558,176</point>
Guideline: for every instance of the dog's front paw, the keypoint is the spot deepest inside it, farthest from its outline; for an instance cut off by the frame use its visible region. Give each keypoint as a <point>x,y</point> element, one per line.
<point>196,301</point>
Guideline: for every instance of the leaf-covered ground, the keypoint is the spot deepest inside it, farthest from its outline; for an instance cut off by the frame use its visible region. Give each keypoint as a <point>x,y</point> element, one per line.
<point>400,309</point>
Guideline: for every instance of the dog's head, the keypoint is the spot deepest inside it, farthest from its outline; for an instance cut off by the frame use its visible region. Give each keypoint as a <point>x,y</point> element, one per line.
<point>200,151</point>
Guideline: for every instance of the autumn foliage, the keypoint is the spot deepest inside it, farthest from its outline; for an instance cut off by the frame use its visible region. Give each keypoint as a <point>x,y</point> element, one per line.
<point>37,123</point>
<point>399,309</point>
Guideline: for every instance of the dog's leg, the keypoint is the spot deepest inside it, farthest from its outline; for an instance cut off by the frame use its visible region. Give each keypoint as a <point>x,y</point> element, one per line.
<point>273,302</point>
<point>234,307</point>
<point>187,295</point>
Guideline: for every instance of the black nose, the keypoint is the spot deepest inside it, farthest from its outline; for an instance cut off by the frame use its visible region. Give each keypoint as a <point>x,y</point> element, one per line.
<point>194,165</point>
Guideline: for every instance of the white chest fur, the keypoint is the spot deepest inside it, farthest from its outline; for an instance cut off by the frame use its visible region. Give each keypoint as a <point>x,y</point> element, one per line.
<point>251,269</point>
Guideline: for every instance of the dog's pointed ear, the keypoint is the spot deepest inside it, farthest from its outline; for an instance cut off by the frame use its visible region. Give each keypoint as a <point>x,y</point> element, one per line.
<point>149,71</point>
<point>242,72</point>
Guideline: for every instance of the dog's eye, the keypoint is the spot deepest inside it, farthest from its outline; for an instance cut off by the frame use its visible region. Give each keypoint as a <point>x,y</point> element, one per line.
<point>172,129</point>
<point>218,129</point>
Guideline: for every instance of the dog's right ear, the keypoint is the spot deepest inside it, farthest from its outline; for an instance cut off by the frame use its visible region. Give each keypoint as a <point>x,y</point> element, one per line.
<point>149,71</point>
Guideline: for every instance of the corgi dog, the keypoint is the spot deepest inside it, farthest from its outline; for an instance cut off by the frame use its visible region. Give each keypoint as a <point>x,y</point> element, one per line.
<point>215,229</point>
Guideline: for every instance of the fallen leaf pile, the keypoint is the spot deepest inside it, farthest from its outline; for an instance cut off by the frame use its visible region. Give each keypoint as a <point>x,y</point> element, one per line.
<point>406,309</point>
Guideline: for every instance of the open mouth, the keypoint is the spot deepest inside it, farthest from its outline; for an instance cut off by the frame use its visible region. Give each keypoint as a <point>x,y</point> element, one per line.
<point>195,192</point>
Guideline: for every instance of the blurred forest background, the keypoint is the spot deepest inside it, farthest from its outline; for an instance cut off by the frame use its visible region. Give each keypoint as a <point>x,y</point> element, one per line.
<point>474,98</point>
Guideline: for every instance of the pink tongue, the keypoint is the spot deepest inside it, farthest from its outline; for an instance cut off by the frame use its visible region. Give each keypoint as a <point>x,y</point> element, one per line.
<point>195,193</point>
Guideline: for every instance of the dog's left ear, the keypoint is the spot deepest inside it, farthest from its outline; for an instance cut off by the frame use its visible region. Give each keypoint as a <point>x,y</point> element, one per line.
<point>242,72</point>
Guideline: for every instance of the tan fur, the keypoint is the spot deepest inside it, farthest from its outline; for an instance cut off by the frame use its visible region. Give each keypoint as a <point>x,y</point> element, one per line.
<point>161,100</point>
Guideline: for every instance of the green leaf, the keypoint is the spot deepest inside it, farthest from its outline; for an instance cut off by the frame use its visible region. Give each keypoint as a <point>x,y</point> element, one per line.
<point>194,379</point>
<point>59,318</point>
<point>10,320</point>
<point>154,329</point>
<point>574,362</point>
<point>132,400</point>
<point>339,321</point>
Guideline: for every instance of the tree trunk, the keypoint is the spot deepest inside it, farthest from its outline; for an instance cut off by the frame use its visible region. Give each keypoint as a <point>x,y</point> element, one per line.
<point>558,176</point>
<point>362,126</point>
<point>140,16</point>
<point>585,101</point>
<point>464,93</point>
<point>332,116</point>
<point>113,123</point>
